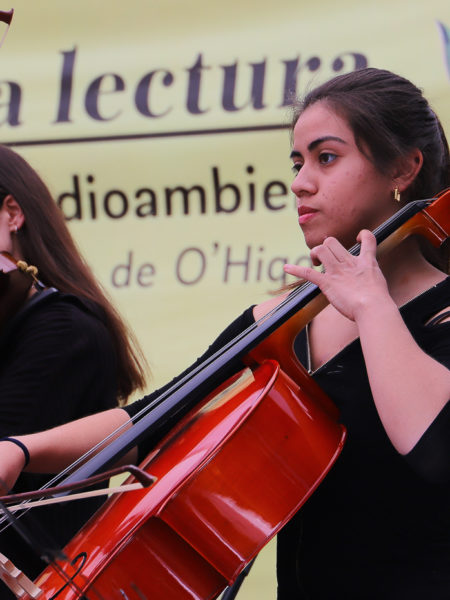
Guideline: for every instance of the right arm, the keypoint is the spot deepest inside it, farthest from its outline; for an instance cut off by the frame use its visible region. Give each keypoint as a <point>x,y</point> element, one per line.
<point>53,450</point>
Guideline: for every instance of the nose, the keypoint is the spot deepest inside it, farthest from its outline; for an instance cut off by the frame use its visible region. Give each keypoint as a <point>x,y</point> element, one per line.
<point>304,182</point>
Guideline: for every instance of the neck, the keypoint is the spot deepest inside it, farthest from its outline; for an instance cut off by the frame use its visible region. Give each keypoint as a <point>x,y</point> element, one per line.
<point>407,272</point>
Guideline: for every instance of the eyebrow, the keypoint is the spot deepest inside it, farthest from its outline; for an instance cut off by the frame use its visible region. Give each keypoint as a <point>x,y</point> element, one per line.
<point>315,143</point>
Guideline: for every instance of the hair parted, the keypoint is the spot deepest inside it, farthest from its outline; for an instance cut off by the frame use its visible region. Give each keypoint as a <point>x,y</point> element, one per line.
<point>45,242</point>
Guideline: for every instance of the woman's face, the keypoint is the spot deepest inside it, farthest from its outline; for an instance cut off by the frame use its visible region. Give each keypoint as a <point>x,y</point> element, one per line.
<point>338,190</point>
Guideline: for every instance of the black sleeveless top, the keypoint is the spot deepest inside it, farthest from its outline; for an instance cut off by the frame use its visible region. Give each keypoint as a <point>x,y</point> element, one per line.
<point>378,526</point>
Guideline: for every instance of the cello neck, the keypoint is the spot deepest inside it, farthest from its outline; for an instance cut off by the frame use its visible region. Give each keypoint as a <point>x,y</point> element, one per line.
<point>185,393</point>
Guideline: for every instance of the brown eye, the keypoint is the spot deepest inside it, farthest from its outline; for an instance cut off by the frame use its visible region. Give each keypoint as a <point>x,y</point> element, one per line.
<point>326,158</point>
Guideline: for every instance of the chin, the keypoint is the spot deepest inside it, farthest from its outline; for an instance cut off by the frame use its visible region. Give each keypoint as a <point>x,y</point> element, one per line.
<point>313,240</point>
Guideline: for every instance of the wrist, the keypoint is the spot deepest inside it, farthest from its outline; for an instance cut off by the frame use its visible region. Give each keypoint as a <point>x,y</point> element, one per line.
<point>377,307</point>
<point>21,446</point>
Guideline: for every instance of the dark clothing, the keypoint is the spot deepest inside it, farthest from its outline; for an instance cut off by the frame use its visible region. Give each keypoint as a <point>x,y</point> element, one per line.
<point>379,524</point>
<point>57,364</point>
<point>237,326</point>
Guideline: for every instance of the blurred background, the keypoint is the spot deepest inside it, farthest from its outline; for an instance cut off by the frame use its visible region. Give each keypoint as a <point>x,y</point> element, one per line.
<point>162,129</point>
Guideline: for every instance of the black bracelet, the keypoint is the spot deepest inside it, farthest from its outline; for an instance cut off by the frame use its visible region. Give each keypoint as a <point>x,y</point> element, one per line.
<point>21,445</point>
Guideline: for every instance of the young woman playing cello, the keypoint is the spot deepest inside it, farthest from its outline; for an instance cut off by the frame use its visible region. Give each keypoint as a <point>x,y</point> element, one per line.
<point>364,144</point>
<point>64,353</point>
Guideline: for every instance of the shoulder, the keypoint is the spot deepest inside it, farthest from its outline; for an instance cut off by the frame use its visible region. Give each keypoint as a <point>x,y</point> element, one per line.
<point>60,356</point>
<point>72,311</point>
<point>58,319</point>
<point>260,310</point>
<point>430,302</point>
<point>428,319</point>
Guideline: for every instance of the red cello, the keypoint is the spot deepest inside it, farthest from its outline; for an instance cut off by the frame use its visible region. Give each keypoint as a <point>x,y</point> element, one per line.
<point>233,470</point>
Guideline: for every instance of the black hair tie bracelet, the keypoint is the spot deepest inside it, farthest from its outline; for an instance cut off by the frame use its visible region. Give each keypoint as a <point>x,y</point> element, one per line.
<point>21,445</point>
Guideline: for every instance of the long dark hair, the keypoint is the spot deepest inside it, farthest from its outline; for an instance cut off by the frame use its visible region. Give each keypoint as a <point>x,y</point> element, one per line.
<point>389,117</point>
<point>45,242</point>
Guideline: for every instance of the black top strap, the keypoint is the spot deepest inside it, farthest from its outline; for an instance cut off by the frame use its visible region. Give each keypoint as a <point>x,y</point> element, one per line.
<point>438,318</point>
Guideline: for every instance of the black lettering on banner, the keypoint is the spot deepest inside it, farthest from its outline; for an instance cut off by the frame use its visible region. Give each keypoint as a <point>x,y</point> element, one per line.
<point>193,91</point>
<point>146,209</point>
<point>65,88</point>
<point>243,87</point>
<point>83,202</point>
<point>251,191</point>
<point>275,270</point>
<point>259,266</point>
<point>359,61</point>
<point>96,89</point>
<point>91,195</point>
<point>243,263</point>
<point>110,201</point>
<point>252,265</point>
<point>218,190</point>
<point>197,258</point>
<point>142,96</point>
<point>292,71</point>
<point>269,193</point>
<point>12,104</point>
<point>240,266</point>
<point>145,275</point>
<point>74,195</point>
<point>185,192</point>
<point>123,274</point>
<point>257,87</point>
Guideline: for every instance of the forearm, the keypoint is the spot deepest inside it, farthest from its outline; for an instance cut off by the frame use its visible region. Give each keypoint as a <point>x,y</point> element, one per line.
<point>409,387</point>
<point>52,450</point>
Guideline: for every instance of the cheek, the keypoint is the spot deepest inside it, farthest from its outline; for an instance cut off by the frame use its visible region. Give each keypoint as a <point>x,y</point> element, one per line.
<point>343,187</point>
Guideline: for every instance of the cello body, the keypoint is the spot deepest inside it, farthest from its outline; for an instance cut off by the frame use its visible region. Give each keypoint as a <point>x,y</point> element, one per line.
<point>231,473</point>
<point>228,477</point>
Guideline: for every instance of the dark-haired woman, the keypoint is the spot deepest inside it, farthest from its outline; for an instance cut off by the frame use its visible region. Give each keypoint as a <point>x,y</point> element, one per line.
<point>64,353</point>
<point>379,527</point>
<point>364,144</point>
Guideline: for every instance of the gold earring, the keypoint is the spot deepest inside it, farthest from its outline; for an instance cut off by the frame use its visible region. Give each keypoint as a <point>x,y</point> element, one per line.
<point>396,195</point>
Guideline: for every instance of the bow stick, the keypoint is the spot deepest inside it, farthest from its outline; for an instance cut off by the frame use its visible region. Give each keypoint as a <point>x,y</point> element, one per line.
<point>45,495</point>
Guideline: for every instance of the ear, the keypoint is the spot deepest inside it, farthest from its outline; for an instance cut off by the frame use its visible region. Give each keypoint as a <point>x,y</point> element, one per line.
<point>406,170</point>
<point>15,213</point>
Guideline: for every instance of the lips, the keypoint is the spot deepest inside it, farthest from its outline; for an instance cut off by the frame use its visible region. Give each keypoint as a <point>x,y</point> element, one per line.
<point>305,213</point>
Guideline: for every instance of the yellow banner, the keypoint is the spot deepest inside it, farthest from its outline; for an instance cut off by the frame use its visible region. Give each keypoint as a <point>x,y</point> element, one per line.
<point>162,130</point>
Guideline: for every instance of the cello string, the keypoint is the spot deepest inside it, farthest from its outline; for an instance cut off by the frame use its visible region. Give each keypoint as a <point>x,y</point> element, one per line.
<point>287,302</point>
<point>156,402</point>
<point>382,231</point>
<point>290,299</point>
<point>46,553</point>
